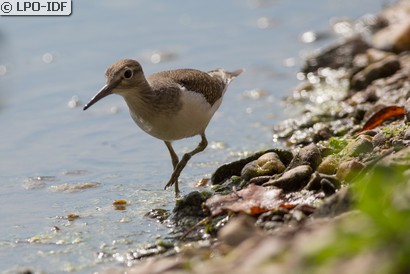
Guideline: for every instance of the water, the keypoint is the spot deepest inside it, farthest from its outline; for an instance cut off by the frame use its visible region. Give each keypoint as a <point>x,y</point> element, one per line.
<point>46,144</point>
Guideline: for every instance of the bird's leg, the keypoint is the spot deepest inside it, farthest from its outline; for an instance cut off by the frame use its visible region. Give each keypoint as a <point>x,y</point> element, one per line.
<point>174,156</point>
<point>180,166</point>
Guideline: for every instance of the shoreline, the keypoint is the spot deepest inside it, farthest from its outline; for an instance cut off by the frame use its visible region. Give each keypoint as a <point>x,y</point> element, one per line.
<point>319,204</point>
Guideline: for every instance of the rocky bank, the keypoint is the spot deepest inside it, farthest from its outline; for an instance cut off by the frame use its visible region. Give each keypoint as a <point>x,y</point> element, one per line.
<point>336,198</point>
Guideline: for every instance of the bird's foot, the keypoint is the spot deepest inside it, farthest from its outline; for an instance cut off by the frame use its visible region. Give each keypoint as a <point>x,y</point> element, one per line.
<point>173,181</point>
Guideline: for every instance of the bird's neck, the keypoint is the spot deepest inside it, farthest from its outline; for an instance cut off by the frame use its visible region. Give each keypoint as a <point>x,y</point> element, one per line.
<point>140,99</point>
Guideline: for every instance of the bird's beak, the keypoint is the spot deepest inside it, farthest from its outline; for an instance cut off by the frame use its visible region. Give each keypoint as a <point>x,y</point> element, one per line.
<point>105,91</point>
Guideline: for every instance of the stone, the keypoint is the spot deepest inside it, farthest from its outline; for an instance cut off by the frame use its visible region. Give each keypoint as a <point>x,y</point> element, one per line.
<point>327,187</point>
<point>336,204</point>
<point>268,164</point>
<point>379,139</point>
<point>349,169</point>
<point>228,170</point>
<point>238,230</point>
<point>336,56</point>
<point>292,180</point>
<point>380,69</point>
<point>188,210</point>
<point>400,159</point>
<point>358,147</point>
<point>329,164</point>
<point>395,37</point>
<point>308,155</point>
<point>314,182</point>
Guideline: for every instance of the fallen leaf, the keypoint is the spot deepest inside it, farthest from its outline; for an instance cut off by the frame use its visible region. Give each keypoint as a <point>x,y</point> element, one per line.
<point>72,216</point>
<point>119,202</point>
<point>382,115</point>
<point>252,200</point>
<point>287,206</point>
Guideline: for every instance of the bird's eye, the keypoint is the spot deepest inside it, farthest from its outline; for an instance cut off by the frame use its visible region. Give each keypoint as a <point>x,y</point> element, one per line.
<point>127,74</point>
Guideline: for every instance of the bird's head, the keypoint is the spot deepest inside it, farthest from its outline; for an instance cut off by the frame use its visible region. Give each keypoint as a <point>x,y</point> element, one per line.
<point>121,78</point>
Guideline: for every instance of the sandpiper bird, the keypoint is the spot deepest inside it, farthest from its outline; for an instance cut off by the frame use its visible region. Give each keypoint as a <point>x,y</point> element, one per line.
<point>169,105</point>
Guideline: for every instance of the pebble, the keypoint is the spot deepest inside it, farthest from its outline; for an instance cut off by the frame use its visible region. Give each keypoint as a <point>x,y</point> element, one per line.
<point>267,164</point>
<point>292,180</point>
<point>329,164</point>
<point>336,204</point>
<point>228,170</point>
<point>380,69</point>
<point>260,180</point>
<point>327,187</point>
<point>407,134</point>
<point>395,37</point>
<point>337,56</point>
<point>399,159</point>
<point>358,147</point>
<point>379,139</point>
<point>319,181</point>
<point>308,155</point>
<point>314,182</point>
<point>348,170</point>
<point>238,230</point>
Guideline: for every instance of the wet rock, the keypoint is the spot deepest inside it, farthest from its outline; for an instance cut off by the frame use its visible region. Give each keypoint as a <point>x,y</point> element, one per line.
<point>327,187</point>
<point>259,180</point>
<point>317,181</point>
<point>329,164</point>
<point>397,12</point>
<point>323,133</point>
<point>336,56</point>
<point>271,220</point>
<point>308,155</point>
<point>227,186</point>
<point>226,171</point>
<point>238,230</point>
<point>268,164</point>
<point>314,182</point>
<point>158,214</point>
<point>397,144</point>
<point>400,159</point>
<point>380,69</point>
<point>395,37</point>
<point>292,180</point>
<point>336,204</point>
<point>250,170</point>
<point>188,210</point>
<point>379,139</point>
<point>359,146</point>
<point>348,170</point>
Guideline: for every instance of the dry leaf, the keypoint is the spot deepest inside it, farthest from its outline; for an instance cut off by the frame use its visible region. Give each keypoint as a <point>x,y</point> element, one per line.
<point>382,115</point>
<point>252,200</point>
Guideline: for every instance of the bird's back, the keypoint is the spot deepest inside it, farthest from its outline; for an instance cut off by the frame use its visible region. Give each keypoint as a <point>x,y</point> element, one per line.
<point>211,84</point>
<point>194,96</point>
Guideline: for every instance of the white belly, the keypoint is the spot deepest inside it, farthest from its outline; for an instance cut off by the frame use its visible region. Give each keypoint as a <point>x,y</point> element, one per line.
<point>192,119</point>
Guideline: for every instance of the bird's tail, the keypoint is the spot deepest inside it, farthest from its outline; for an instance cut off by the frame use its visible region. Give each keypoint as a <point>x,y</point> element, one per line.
<point>225,76</point>
<point>230,75</point>
<point>235,73</point>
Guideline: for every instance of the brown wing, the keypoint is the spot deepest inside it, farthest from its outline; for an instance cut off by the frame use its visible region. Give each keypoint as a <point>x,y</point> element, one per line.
<point>193,80</point>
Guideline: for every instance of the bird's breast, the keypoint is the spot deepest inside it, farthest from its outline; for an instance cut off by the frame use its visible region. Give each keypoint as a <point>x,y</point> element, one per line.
<point>191,118</point>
